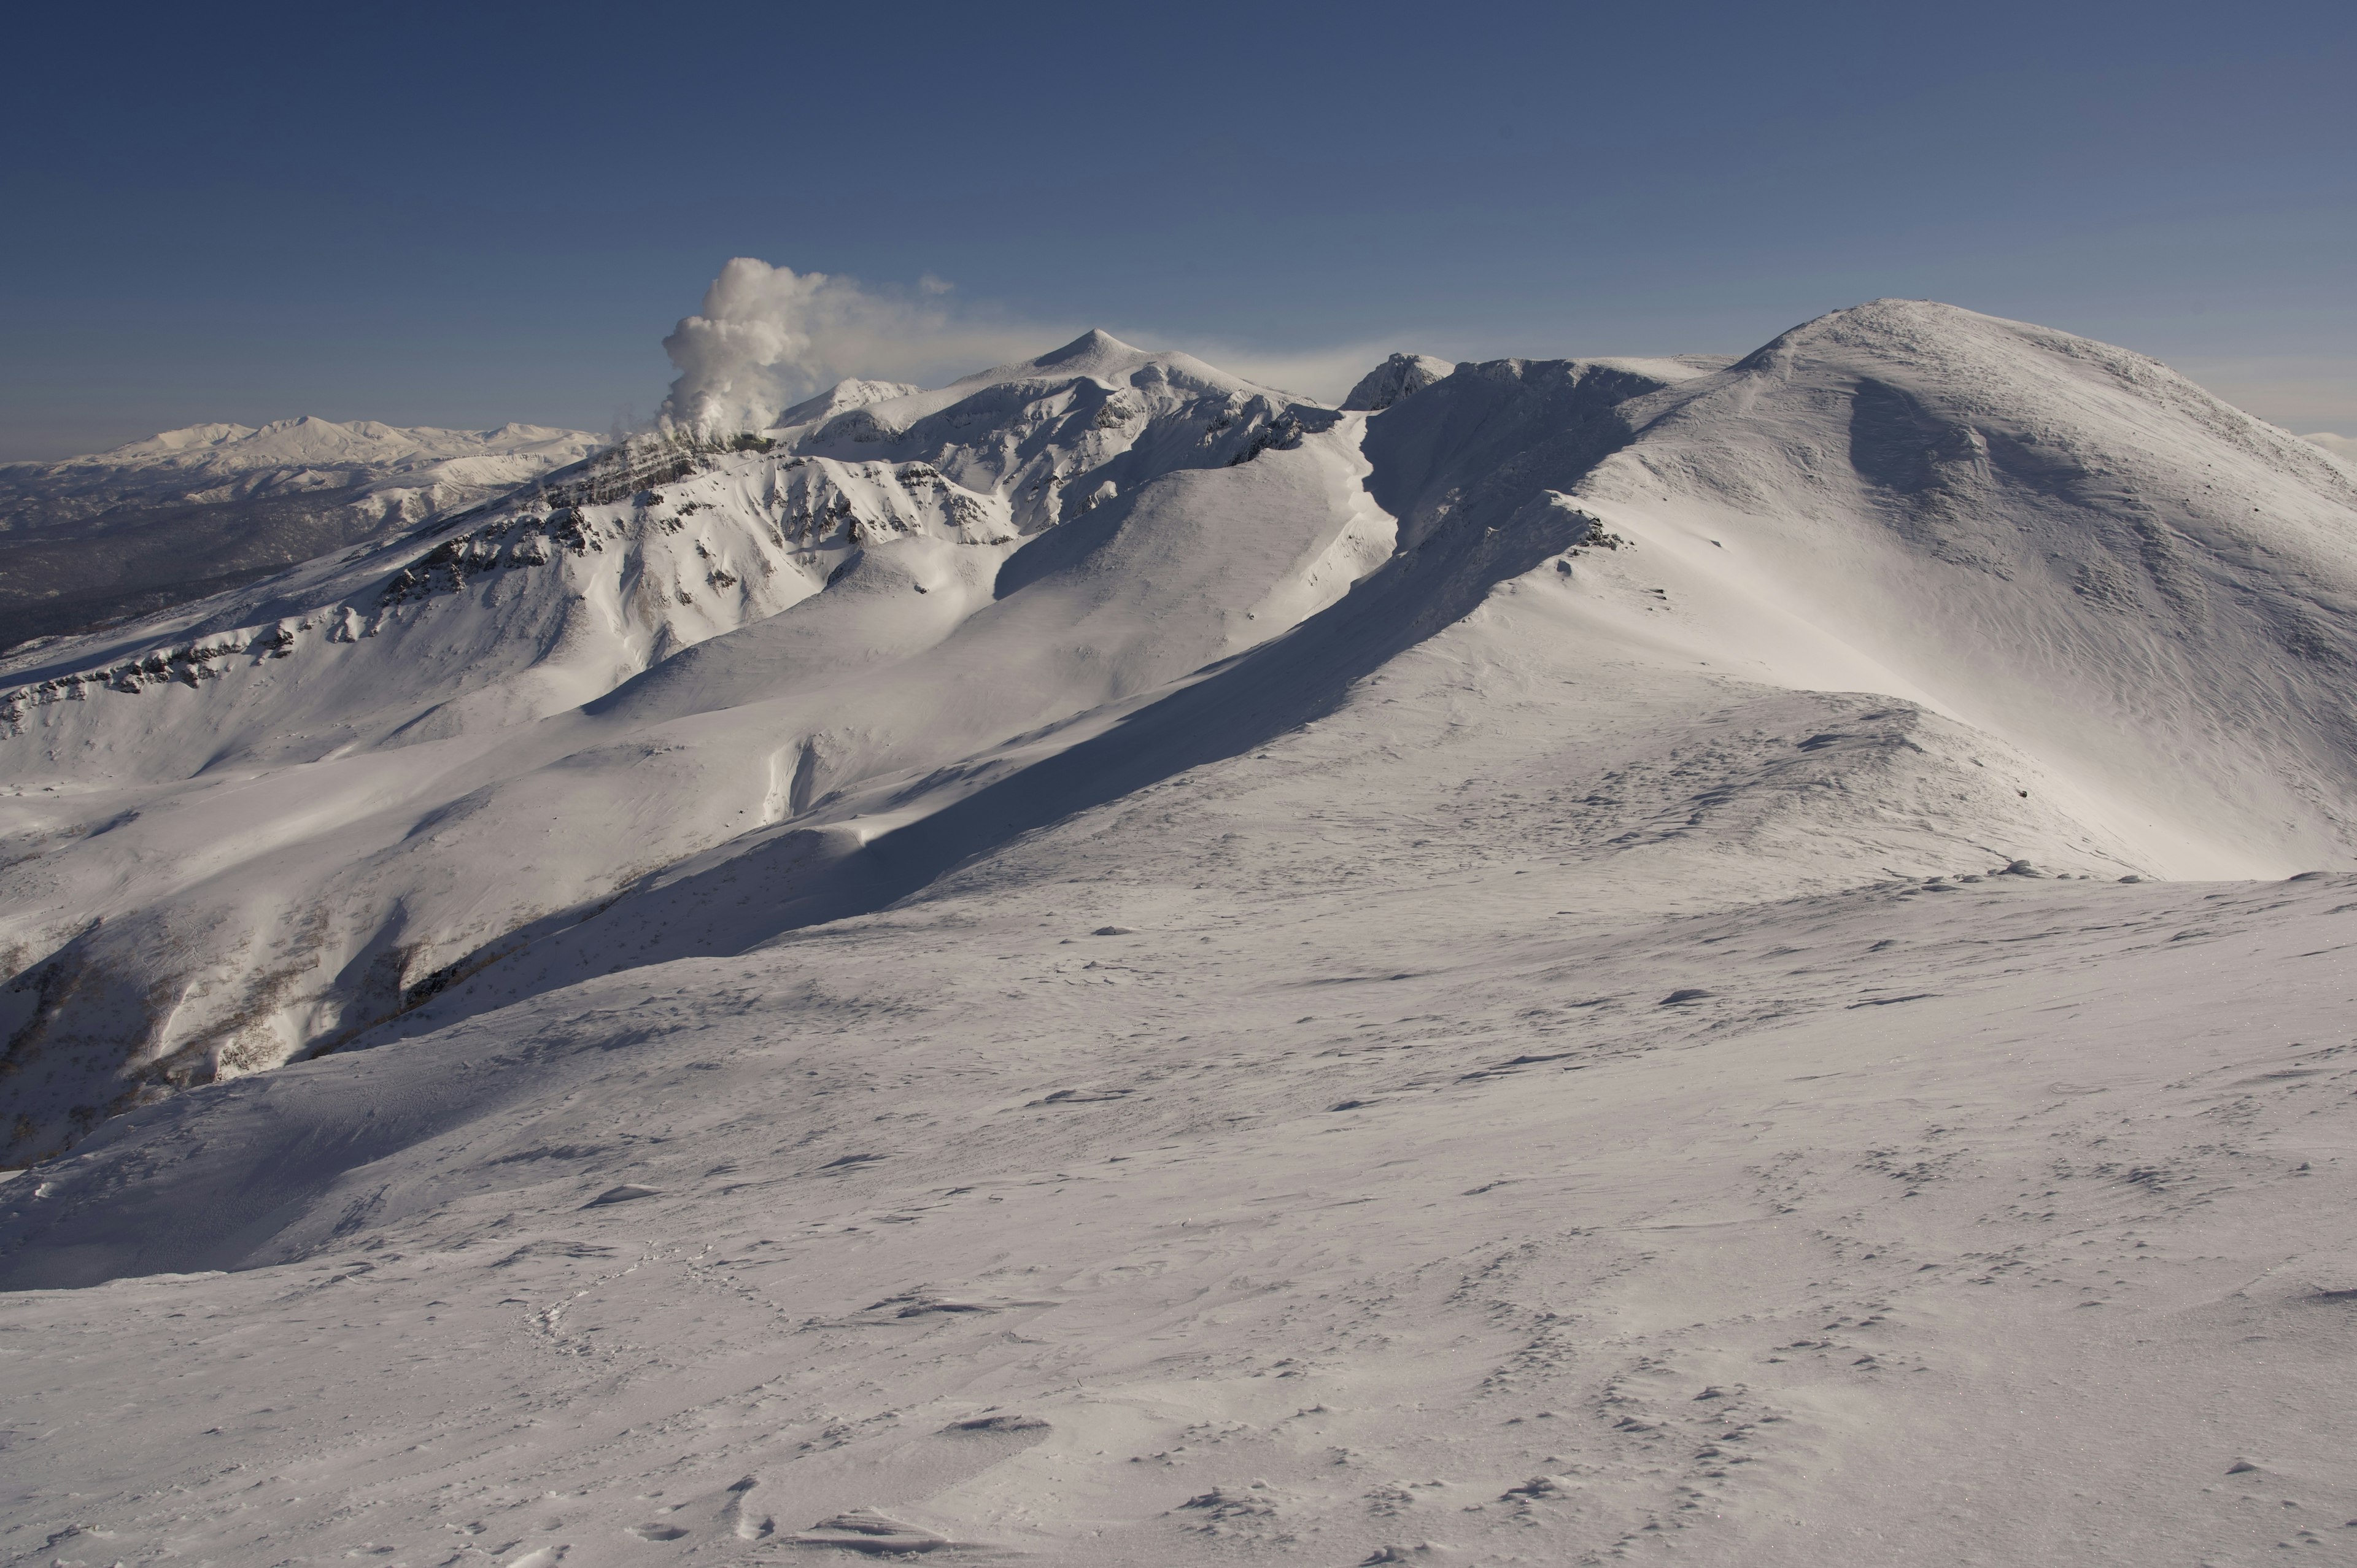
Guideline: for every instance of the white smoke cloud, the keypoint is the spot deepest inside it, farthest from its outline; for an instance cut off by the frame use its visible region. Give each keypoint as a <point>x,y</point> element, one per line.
<point>769,337</point>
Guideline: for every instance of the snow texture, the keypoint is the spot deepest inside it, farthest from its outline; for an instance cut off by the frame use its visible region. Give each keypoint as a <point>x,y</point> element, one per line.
<point>1607,959</point>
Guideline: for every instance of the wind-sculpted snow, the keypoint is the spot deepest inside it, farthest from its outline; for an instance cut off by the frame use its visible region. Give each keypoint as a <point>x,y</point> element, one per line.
<point>1185,1182</point>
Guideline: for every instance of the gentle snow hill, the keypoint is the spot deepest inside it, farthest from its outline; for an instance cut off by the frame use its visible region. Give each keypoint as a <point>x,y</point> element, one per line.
<point>194,511</point>
<point>700,694</point>
<point>2060,542</point>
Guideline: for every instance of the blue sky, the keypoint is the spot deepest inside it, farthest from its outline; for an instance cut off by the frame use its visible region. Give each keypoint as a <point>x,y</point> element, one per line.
<point>461,216</point>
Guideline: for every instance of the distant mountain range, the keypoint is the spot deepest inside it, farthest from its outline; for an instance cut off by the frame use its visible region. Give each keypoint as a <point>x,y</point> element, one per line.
<point>195,511</point>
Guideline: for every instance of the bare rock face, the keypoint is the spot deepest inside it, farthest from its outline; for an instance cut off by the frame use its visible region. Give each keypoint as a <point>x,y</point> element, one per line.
<point>1401,375</point>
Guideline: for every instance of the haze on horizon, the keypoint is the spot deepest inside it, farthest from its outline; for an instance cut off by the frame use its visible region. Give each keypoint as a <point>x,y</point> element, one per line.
<point>460,218</point>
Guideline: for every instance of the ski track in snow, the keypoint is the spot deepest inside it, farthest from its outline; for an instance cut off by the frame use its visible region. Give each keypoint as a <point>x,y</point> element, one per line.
<point>1535,971</point>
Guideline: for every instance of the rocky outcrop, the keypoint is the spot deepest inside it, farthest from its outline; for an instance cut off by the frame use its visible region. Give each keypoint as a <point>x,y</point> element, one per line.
<point>1401,375</point>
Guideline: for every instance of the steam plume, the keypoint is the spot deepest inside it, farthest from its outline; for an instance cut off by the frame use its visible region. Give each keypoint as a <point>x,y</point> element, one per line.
<point>769,337</point>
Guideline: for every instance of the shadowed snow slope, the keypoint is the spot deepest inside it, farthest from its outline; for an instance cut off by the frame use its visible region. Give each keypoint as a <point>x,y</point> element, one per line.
<point>1489,975</point>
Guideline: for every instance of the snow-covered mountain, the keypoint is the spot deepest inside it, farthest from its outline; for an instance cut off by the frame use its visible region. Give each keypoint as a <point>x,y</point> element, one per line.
<point>852,652</point>
<point>870,558</point>
<point>1010,870</point>
<point>198,511</point>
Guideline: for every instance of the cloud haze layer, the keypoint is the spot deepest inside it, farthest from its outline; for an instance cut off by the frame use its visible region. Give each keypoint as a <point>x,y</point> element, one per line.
<point>2298,392</point>
<point>1325,374</point>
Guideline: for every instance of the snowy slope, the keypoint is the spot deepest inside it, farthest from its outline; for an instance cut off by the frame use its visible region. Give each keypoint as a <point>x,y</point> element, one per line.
<point>192,511</point>
<point>843,657</point>
<point>1581,960</point>
<point>314,816</point>
<point>1386,1210</point>
<point>2059,543</point>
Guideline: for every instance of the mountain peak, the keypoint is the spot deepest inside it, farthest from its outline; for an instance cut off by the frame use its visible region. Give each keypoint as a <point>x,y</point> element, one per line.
<point>1096,343</point>
<point>843,396</point>
<point>1395,379</point>
<point>188,437</point>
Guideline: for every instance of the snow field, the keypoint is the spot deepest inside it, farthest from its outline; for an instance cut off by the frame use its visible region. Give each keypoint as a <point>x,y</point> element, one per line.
<point>1274,1222</point>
